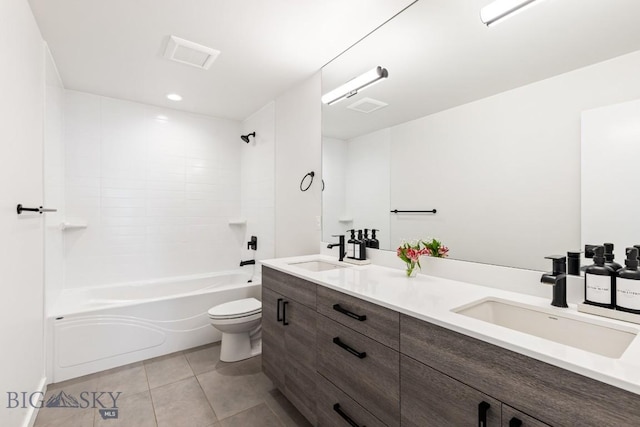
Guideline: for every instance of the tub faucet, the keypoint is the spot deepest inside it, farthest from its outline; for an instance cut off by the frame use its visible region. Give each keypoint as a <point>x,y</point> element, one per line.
<point>341,244</point>
<point>250,262</point>
<point>557,278</point>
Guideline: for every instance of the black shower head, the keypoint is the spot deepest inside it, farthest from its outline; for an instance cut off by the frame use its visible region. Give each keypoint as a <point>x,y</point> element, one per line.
<point>245,138</point>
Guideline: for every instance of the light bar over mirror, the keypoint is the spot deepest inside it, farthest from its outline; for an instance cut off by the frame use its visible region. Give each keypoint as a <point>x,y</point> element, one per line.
<point>352,87</point>
<point>497,11</point>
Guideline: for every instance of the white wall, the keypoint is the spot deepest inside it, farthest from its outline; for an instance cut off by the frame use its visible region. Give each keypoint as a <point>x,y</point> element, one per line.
<point>258,184</point>
<point>298,151</point>
<point>21,237</point>
<point>610,172</point>
<point>368,181</point>
<point>53,182</point>
<point>504,172</point>
<point>334,169</point>
<point>157,188</point>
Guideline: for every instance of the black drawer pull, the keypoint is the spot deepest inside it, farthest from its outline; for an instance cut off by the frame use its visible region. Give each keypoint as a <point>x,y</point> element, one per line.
<point>337,341</point>
<point>514,422</point>
<point>483,408</point>
<point>284,313</point>
<point>361,318</point>
<point>346,417</point>
<point>278,317</point>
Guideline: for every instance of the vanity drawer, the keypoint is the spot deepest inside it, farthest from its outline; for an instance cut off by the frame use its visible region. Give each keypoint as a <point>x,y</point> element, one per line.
<point>330,415</point>
<point>290,286</point>
<point>364,369</point>
<point>379,323</point>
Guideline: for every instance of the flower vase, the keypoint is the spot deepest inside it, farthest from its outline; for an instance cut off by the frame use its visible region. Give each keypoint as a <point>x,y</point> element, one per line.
<point>412,270</point>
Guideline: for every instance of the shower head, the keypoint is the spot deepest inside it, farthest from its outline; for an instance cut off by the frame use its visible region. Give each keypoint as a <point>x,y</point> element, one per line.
<point>245,138</point>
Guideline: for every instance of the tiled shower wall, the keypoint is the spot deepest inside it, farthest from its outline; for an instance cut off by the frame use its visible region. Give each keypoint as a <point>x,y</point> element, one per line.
<point>156,187</point>
<point>258,183</point>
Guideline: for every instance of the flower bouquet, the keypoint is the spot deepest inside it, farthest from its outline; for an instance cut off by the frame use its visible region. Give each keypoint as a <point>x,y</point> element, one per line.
<point>435,248</point>
<point>410,253</point>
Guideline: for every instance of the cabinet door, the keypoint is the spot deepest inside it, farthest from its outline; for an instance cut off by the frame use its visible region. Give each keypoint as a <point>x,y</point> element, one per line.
<point>300,345</point>
<point>273,351</point>
<point>513,418</point>
<point>430,398</point>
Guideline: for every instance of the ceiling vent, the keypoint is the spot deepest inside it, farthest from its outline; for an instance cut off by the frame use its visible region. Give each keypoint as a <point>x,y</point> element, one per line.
<point>367,105</point>
<point>190,53</point>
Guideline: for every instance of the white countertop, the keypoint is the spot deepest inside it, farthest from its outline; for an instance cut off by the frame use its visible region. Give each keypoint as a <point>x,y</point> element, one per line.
<point>432,299</point>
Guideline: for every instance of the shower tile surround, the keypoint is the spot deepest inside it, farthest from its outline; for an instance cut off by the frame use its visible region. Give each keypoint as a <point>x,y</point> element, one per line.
<point>157,188</point>
<point>188,388</point>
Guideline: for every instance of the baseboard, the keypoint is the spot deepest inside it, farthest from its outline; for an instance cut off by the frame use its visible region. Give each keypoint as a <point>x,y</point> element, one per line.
<point>32,413</point>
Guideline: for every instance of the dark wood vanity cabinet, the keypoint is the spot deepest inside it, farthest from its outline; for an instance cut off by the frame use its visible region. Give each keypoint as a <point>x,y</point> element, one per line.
<point>343,361</point>
<point>513,418</point>
<point>548,394</point>
<point>430,398</point>
<point>289,339</point>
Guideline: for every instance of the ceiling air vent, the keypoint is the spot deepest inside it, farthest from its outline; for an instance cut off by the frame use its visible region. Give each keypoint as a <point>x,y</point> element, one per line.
<point>367,105</point>
<point>190,53</point>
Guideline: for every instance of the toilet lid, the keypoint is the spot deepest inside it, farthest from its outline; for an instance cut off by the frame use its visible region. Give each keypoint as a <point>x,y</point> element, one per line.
<point>239,308</point>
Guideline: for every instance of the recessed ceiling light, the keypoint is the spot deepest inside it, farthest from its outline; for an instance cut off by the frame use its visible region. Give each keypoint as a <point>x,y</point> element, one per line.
<point>174,97</point>
<point>162,118</point>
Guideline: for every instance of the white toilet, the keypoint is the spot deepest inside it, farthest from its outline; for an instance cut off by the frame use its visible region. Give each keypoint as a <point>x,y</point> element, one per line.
<point>239,321</point>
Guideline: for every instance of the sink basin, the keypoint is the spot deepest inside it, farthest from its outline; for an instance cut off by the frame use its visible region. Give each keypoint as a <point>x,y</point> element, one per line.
<point>317,265</point>
<point>592,337</point>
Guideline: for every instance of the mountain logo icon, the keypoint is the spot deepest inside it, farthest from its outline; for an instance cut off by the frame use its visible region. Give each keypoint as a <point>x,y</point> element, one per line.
<point>62,400</point>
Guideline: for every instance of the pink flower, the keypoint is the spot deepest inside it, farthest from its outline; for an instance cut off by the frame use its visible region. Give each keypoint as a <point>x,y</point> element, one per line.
<point>413,254</point>
<point>443,251</point>
<point>425,251</point>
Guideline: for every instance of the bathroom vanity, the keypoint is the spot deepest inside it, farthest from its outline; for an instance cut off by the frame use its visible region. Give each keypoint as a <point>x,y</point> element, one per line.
<point>366,346</point>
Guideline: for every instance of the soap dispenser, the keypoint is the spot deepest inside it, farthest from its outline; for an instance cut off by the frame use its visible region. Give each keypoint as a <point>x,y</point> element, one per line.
<point>628,284</point>
<point>351,245</point>
<point>367,241</point>
<point>599,281</point>
<point>374,243</point>
<point>609,257</point>
<point>361,248</point>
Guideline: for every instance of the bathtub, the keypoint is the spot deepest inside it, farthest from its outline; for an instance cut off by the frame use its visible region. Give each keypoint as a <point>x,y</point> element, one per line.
<point>98,328</point>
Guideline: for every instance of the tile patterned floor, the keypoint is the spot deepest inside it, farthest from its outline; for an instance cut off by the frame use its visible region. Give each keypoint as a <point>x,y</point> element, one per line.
<point>191,388</point>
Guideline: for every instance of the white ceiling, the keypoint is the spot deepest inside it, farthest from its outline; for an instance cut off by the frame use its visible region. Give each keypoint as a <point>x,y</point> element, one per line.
<point>114,47</point>
<point>439,55</point>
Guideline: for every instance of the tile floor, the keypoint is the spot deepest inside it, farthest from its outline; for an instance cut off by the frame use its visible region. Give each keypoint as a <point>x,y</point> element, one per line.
<point>191,388</point>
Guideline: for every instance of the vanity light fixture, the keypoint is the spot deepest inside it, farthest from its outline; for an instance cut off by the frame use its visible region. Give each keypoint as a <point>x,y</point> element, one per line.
<point>500,9</point>
<point>352,87</point>
<point>174,97</point>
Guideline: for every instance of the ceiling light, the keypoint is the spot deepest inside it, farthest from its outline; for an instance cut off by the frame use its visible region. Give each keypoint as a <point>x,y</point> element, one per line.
<point>162,118</point>
<point>498,10</point>
<point>174,97</point>
<point>352,87</point>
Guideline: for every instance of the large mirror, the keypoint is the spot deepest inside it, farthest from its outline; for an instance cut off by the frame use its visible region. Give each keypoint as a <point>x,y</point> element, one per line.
<point>481,123</point>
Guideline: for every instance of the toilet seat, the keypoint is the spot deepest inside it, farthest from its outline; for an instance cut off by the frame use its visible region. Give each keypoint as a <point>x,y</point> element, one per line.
<point>243,308</point>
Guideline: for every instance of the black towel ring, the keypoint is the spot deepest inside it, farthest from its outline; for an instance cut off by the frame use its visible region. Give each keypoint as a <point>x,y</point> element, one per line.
<point>310,174</point>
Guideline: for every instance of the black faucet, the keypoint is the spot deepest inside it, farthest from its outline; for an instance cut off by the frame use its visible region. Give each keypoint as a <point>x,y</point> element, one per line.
<point>250,262</point>
<point>557,278</point>
<point>341,244</point>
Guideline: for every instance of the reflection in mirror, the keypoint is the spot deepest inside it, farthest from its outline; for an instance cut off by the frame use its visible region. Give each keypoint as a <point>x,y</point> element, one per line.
<point>482,124</point>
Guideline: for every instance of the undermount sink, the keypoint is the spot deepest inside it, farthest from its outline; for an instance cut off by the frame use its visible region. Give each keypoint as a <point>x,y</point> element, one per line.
<point>595,338</point>
<point>317,265</point>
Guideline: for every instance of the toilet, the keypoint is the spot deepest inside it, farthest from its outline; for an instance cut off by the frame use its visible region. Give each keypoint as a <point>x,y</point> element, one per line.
<point>240,324</point>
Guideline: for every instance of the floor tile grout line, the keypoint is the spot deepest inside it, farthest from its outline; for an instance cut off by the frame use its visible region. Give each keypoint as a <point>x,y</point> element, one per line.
<point>153,406</point>
<point>274,413</point>
<point>207,399</point>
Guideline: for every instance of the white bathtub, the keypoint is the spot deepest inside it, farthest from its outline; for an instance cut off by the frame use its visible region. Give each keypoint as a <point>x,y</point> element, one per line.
<point>93,329</point>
